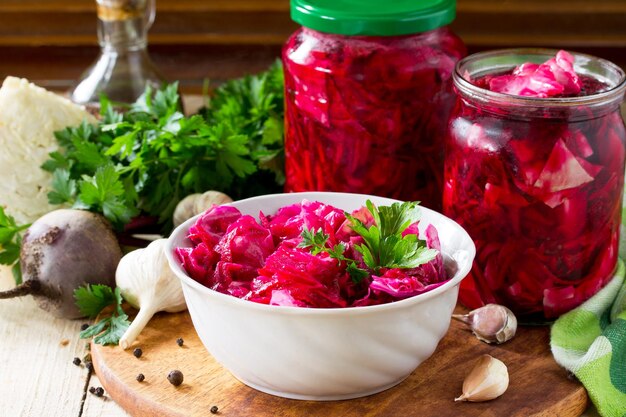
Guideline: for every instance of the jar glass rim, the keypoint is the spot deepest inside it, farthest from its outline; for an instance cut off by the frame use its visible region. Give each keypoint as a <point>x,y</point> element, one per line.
<point>613,95</point>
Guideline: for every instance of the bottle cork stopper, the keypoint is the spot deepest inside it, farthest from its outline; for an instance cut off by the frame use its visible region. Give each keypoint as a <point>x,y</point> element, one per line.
<point>111,10</point>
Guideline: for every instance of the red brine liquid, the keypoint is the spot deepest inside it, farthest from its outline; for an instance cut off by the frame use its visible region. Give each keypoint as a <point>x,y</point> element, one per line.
<point>368,114</point>
<point>539,189</point>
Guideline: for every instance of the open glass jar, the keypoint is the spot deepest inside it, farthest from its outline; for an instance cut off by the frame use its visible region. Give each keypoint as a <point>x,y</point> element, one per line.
<point>537,183</point>
<point>368,95</point>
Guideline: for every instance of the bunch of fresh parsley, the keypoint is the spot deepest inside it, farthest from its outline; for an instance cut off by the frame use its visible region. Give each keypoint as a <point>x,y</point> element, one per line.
<point>146,159</point>
<point>10,243</point>
<point>383,244</point>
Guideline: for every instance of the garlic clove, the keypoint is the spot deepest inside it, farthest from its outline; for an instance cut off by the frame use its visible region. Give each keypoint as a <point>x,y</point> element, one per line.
<point>492,323</point>
<point>195,204</point>
<point>488,380</point>
<point>185,209</point>
<point>208,199</point>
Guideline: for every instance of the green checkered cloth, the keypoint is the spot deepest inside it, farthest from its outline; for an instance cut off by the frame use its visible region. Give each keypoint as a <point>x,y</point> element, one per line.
<point>590,341</point>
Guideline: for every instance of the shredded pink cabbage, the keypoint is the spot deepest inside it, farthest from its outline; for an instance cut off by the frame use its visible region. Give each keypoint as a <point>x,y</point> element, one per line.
<point>399,284</point>
<point>261,261</point>
<point>370,110</point>
<point>556,77</point>
<point>541,198</point>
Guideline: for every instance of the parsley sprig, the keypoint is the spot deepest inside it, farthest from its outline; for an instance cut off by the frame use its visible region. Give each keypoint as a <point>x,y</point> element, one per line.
<point>91,301</point>
<point>148,158</point>
<point>10,243</point>
<point>383,244</point>
<point>317,242</point>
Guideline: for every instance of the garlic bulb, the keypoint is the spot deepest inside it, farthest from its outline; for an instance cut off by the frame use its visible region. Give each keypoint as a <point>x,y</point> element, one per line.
<point>197,203</point>
<point>488,379</point>
<point>146,281</point>
<point>492,323</point>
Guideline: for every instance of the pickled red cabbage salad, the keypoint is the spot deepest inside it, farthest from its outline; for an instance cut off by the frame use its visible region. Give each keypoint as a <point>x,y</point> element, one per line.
<point>541,197</point>
<point>370,110</point>
<point>312,254</point>
<point>554,78</point>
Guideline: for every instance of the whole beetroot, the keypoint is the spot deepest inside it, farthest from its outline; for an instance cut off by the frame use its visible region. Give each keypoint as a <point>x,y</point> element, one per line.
<point>64,250</point>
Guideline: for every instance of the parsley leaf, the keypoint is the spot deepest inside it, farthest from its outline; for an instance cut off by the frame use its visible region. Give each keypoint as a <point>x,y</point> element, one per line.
<point>10,243</point>
<point>10,254</point>
<point>63,187</point>
<point>56,161</point>
<point>317,241</point>
<point>394,219</point>
<point>356,274</point>
<point>123,145</point>
<point>384,246</point>
<point>116,327</point>
<point>314,240</point>
<point>95,329</point>
<point>17,273</point>
<point>104,192</point>
<point>91,300</point>
<point>88,154</point>
<point>404,252</point>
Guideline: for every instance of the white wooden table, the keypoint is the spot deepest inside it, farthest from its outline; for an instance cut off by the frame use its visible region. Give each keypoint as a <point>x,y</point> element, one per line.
<point>37,376</point>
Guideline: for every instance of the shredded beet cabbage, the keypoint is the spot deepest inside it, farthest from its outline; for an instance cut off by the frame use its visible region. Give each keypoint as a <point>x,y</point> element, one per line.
<point>367,114</point>
<point>554,78</point>
<point>263,261</point>
<point>541,197</point>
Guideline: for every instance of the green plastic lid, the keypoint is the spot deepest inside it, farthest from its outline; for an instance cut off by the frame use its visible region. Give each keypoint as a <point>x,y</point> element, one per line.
<point>373,17</point>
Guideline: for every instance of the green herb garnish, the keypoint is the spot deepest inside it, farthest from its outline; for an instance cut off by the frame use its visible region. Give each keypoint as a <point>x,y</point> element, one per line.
<point>148,158</point>
<point>317,242</point>
<point>383,247</point>
<point>10,243</point>
<point>91,301</point>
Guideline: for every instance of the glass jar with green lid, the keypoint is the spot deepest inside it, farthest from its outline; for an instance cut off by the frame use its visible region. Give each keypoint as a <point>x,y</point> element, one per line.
<point>368,94</point>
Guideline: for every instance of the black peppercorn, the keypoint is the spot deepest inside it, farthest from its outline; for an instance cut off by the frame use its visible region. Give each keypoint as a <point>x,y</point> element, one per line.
<point>89,366</point>
<point>138,352</point>
<point>175,377</point>
<point>76,361</point>
<point>140,378</point>
<point>99,392</point>
<point>84,326</point>
<point>214,409</point>
<point>92,390</point>
<point>180,341</point>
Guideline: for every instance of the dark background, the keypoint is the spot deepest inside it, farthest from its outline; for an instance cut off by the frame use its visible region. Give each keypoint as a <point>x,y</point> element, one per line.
<point>52,41</point>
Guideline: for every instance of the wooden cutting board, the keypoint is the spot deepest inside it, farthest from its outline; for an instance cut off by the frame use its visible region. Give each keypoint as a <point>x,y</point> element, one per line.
<point>538,386</point>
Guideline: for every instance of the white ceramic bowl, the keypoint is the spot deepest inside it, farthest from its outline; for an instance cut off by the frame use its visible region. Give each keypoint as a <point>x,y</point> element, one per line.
<point>324,354</point>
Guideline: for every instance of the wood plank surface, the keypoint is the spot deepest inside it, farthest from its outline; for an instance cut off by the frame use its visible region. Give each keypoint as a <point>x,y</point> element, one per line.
<point>101,406</point>
<point>575,6</point>
<point>480,23</point>
<point>538,386</point>
<point>37,377</point>
<point>73,6</point>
